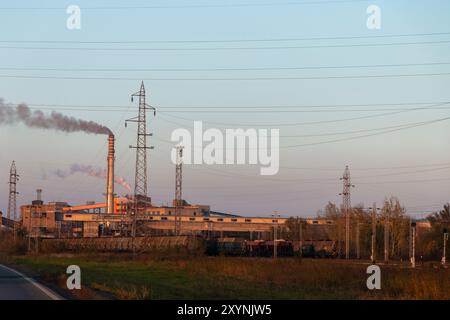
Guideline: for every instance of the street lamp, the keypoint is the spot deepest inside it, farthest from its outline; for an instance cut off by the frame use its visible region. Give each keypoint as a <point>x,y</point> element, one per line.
<point>275,229</point>
<point>445,244</point>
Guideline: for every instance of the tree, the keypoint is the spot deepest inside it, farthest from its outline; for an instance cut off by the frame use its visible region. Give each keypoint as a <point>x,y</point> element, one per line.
<point>332,211</point>
<point>292,228</point>
<point>442,218</point>
<point>394,214</point>
<point>433,239</point>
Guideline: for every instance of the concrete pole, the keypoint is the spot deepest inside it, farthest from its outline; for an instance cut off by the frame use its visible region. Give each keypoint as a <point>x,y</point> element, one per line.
<point>347,233</point>
<point>386,238</point>
<point>29,229</point>
<point>275,229</point>
<point>275,241</point>
<point>410,239</point>
<point>358,249</point>
<point>444,254</point>
<point>374,232</point>
<point>413,250</point>
<point>339,236</point>
<point>300,236</point>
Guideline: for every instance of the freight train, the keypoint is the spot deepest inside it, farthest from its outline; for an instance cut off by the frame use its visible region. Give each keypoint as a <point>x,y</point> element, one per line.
<point>265,248</point>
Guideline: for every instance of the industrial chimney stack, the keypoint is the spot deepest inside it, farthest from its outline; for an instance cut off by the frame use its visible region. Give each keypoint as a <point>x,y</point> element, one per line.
<point>110,176</point>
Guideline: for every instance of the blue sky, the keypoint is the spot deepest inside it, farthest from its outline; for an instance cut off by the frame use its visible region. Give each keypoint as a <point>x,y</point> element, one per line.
<point>411,164</point>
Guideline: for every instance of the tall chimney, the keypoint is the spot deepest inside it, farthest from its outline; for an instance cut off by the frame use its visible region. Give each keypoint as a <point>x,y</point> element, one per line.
<point>110,176</point>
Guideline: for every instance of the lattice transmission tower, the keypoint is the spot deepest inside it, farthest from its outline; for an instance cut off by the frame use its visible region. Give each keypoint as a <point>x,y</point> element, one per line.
<point>12,200</point>
<point>346,207</point>
<point>178,189</point>
<point>140,181</point>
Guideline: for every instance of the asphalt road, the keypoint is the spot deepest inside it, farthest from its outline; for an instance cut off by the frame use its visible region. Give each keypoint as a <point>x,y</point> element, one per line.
<point>16,286</point>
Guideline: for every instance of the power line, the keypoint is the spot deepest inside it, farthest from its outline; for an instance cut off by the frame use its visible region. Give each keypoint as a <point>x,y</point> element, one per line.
<point>366,135</point>
<point>383,129</point>
<point>276,107</point>
<point>356,137</point>
<point>219,69</point>
<point>406,181</point>
<point>354,131</point>
<point>194,6</point>
<point>230,79</point>
<point>370,168</point>
<point>234,175</point>
<point>310,122</point>
<point>231,48</point>
<point>240,111</point>
<point>231,40</point>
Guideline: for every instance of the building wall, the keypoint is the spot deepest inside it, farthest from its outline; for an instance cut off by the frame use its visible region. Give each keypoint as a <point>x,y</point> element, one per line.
<point>42,219</point>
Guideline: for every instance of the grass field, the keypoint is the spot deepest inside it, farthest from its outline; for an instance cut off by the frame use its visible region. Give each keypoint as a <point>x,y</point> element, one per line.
<point>200,277</point>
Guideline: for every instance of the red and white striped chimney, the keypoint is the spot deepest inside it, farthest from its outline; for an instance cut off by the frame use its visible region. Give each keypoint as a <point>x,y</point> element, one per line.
<point>110,176</point>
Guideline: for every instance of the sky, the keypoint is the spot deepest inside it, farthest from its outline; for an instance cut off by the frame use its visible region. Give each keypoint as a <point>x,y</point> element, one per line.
<point>337,91</point>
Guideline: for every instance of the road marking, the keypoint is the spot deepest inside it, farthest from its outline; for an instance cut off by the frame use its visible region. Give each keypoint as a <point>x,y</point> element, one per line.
<point>45,290</point>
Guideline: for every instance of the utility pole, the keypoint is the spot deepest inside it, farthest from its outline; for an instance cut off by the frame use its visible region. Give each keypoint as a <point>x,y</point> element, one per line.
<point>178,189</point>
<point>413,258</point>
<point>339,236</point>
<point>275,215</point>
<point>300,236</point>
<point>386,236</point>
<point>358,251</point>
<point>374,233</point>
<point>444,254</point>
<point>30,226</point>
<point>409,239</point>
<point>12,200</point>
<point>141,200</point>
<point>346,205</point>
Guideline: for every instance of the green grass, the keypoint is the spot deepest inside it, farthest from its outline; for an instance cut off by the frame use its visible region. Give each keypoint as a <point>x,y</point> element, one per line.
<point>199,277</point>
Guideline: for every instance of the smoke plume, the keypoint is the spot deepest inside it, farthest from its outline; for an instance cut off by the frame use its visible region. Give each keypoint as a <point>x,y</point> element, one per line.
<point>10,115</point>
<point>91,171</point>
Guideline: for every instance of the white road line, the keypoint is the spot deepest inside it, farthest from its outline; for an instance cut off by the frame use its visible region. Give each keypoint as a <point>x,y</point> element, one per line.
<point>45,290</point>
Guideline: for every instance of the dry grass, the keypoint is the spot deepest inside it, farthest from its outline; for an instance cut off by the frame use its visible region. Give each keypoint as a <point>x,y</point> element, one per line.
<point>173,277</point>
<point>124,292</point>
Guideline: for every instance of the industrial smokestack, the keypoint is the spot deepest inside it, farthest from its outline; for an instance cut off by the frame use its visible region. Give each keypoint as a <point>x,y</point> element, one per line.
<point>110,176</point>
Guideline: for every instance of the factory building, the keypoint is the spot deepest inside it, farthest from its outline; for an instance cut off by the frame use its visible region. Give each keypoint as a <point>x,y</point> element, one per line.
<point>54,219</point>
<point>116,215</point>
<point>60,220</point>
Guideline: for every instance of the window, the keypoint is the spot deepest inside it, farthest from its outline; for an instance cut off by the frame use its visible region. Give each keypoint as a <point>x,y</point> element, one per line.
<point>163,218</point>
<point>315,222</point>
<point>248,220</point>
<point>274,220</point>
<point>170,212</point>
<point>205,219</point>
<point>220,219</point>
<point>195,213</point>
<point>191,219</point>
<point>233,220</point>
